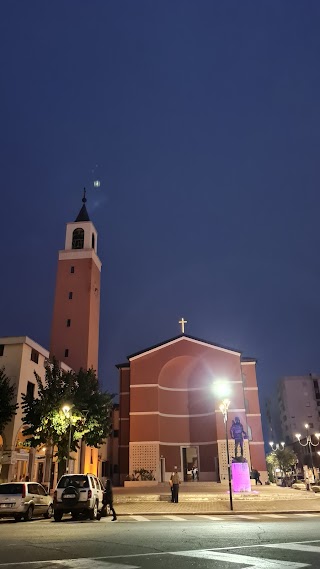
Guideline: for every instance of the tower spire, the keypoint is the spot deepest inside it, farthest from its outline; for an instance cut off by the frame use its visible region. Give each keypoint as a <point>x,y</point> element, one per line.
<point>83,214</point>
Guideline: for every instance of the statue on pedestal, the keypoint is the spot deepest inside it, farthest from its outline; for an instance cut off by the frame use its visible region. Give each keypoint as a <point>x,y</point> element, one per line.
<point>238,434</point>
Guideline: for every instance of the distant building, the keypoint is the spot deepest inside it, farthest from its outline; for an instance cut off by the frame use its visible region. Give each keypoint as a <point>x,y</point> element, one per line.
<point>21,357</point>
<point>299,404</point>
<point>169,415</point>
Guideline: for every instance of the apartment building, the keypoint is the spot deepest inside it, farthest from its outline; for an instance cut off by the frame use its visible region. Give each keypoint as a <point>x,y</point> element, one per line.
<point>299,405</point>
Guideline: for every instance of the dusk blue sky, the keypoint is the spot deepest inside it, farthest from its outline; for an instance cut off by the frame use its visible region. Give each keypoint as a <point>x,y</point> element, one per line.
<point>203,118</point>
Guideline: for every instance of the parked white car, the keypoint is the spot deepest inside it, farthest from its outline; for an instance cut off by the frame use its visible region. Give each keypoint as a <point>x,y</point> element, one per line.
<point>24,500</point>
<point>78,494</point>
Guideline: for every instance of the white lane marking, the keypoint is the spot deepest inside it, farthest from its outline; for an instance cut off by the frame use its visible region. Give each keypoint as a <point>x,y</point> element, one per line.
<point>82,563</point>
<point>91,562</point>
<point>175,518</point>
<point>242,560</point>
<point>211,518</point>
<point>157,553</point>
<point>140,518</point>
<point>308,515</point>
<point>274,516</point>
<point>296,547</point>
<point>246,517</point>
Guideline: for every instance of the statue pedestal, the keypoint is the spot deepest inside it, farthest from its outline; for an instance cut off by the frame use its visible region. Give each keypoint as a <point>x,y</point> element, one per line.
<point>240,477</point>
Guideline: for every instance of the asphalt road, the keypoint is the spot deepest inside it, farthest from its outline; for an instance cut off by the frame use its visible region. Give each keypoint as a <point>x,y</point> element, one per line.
<point>162,542</point>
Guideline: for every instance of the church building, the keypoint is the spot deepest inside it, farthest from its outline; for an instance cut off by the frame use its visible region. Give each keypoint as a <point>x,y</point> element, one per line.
<point>169,411</point>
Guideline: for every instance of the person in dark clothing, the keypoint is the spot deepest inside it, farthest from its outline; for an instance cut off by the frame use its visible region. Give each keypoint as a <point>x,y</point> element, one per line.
<point>256,476</point>
<point>107,499</point>
<point>175,478</point>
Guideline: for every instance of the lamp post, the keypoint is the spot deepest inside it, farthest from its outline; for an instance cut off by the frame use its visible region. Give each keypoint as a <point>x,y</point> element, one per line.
<point>275,447</point>
<point>309,444</point>
<point>221,388</point>
<point>67,412</point>
<point>224,406</point>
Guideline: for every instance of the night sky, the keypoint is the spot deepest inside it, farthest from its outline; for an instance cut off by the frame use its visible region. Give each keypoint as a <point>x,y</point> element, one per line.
<point>201,120</point>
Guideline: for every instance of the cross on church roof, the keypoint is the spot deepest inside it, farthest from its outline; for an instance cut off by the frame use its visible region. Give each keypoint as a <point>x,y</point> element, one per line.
<point>183,322</point>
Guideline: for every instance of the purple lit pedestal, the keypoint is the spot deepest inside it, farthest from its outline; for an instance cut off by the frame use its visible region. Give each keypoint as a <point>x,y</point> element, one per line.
<point>240,477</point>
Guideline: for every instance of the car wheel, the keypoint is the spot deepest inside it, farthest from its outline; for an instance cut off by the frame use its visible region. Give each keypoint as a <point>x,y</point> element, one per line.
<point>28,515</point>
<point>75,515</point>
<point>57,516</point>
<point>17,518</point>
<point>93,514</point>
<point>49,513</point>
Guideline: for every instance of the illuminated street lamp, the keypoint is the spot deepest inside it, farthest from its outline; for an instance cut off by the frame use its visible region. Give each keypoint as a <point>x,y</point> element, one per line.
<point>309,444</point>
<point>222,389</point>
<point>276,446</point>
<point>66,409</point>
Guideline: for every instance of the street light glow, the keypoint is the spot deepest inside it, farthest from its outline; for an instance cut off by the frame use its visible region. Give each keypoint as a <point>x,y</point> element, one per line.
<point>298,436</point>
<point>221,388</point>
<point>317,435</point>
<point>66,409</point>
<point>307,426</point>
<point>271,443</point>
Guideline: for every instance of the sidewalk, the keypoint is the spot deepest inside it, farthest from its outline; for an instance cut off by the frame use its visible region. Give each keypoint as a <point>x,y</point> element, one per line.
<point>210,500</point>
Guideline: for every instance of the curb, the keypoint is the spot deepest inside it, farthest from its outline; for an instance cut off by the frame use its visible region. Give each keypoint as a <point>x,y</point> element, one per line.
<point>228,513</point>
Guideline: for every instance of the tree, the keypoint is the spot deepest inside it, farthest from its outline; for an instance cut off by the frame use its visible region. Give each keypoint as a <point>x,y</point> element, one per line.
<point>90,410</point>
<point>7,406</point>
<point>283,459</point>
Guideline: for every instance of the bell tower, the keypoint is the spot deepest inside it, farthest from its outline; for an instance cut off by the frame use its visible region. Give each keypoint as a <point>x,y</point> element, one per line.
<point>75,322</point>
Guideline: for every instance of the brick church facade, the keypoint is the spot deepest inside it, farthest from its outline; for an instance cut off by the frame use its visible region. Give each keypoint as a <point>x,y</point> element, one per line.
<point>169,414</point>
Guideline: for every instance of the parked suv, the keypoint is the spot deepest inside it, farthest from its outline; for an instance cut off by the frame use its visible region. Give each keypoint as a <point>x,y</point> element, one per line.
<point>78,494</point>
<point>24,500</point>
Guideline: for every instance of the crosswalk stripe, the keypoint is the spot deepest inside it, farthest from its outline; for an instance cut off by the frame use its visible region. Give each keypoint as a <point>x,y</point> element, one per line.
<point>215,518</point>
<point>295,547</point>
<point>175,518</point>
<point>241,560</point>
<point>247,517</point>
<point>307,515</point>
<point>274,516</point>
<point>140,518</point>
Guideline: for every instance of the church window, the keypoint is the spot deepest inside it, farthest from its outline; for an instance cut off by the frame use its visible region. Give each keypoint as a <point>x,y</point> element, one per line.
<point>78,238</point>
<point>72,269</point>
<point>1,349</point>
<point>34,356</point>
<point>66,353</point>
<point>70,295</point>
<point>92,241</point>
<point>68,323</point>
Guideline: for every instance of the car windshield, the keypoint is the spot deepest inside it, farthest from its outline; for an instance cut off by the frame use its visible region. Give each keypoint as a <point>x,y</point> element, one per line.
<point>77,481</point>
<point>11,488</point>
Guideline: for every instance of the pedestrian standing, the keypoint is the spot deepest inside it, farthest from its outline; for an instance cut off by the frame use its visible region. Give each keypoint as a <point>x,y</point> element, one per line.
<point>175,485</point>
<point>107,499</point>
<point>258,481</point>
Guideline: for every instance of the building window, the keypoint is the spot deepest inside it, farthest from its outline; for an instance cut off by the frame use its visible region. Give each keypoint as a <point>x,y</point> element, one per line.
<point>70,295</point>
<point>72,269</point>
<point>91,457</point>
<point>1,349</point>
<point>249,433</point>
<point>30,389</point>
<point>115,469</point>
<point>78,238</point>
<point>68,323</point>
<point>92,241</point>
<point>310,425</point>
<point>116,433</point>
<point>66,353</point>
<point>34,356</point>
<point>244,379</point>
<point>246,406</point>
